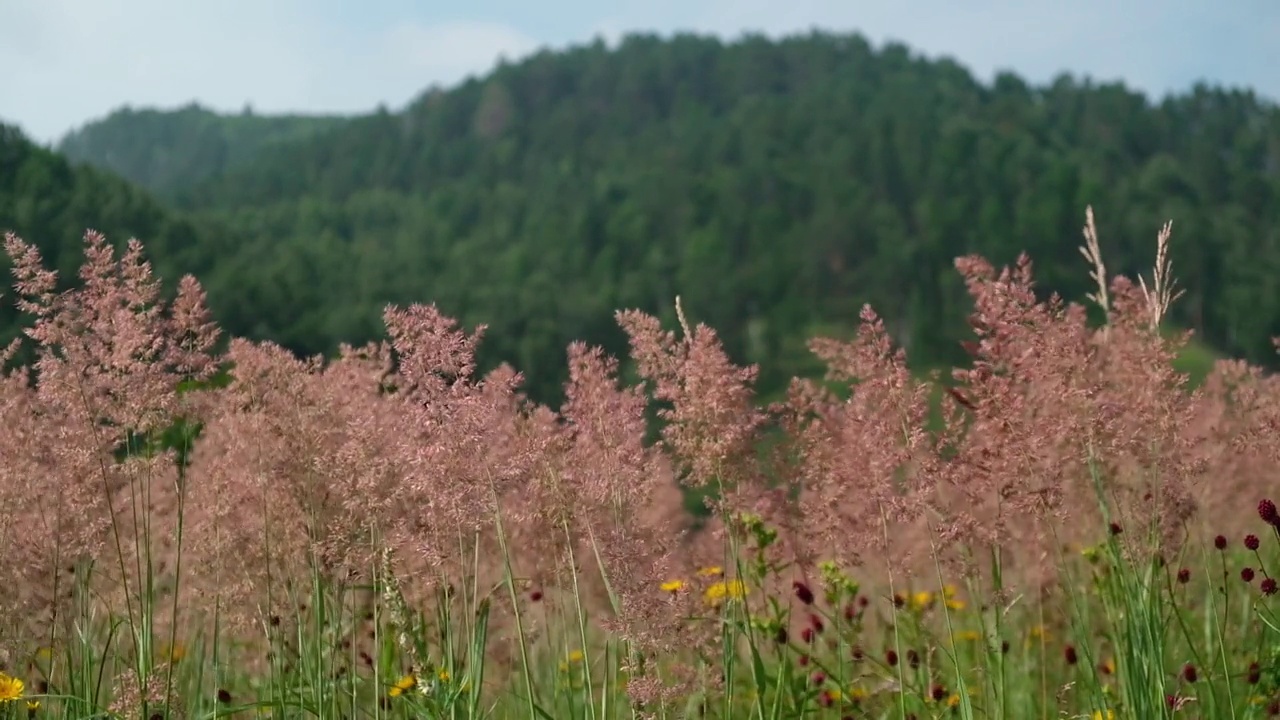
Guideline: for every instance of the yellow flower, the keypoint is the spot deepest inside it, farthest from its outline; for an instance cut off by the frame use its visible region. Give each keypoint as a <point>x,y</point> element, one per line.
<point>712,571</point>
<point>858,693</point>
<point>10,688</point>
<point>718,592</point>
<point>402,686</point>
<point>673,586</point>
<point>443,675</point>
<point>953,700</point>
<point>949,597</point>
<point>1110,715</point>
<point>922,601</point>
<point>1039,632</point>
<point>175,653</point>
<point>969,635</point>
<point>573,658</point>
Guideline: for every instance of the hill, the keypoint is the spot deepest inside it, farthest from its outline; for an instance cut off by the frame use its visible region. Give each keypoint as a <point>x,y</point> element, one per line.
<point>167,151</point>
<point>775,186</point>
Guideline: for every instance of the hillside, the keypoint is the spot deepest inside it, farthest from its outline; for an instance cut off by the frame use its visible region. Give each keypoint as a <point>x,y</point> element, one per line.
<point>165,152</point>
<point>50,203</point>
<point>775,186</point>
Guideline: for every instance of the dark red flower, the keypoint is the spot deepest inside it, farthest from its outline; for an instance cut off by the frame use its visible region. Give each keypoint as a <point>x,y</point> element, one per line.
<point>1069,653</point>
<point>1184,576</point>
<point>803,593</point>
<point>1251,542</point>
<point>1267,511</point>
<point>1246,574</point>
<point>1269,586</point>
<point>1220,542</point>
<point>1189,673</point>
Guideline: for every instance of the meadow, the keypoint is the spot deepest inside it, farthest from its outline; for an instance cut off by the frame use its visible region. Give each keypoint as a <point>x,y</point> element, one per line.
<point>1066,527</point>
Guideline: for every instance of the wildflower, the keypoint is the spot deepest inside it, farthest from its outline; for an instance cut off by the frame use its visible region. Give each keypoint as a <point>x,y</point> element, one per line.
<point>1115,528</point>
<point>1246,574</point>
<point>807,635</point>
<point>718,592</point>
<point>1189,673</point>
<point>899,600</point>
<point>1220,542</point>
<point>803,593</point>
<point>891,658</point>
<point>1107,667</point>
<point>937,692</point>
<point>10,688</point>
<point>922,601</point>
<point>403,685</point>
<point>673,586</point>
<point>1255,673</point>
<point>953,700</point>
<point>1184,576</point>
<point>1267,511</point>
<point>1269,586</point>
<point>1110,715</point>
<point>968,635</point>
<point>816,623</point>
<point>175,653</point>
<point>1069,654</point>
<point>1251,542</point>
<point>858,694</point>
<point>952,602</point>
<point>711,571</point>
<point>575,657</point>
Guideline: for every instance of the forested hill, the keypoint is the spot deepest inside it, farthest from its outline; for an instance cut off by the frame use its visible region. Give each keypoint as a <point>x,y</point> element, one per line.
<point>165,152</point>
<point>775,186</point>
<point>51,203</point>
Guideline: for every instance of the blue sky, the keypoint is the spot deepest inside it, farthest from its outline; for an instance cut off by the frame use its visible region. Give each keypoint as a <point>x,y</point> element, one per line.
<point>69,61</point>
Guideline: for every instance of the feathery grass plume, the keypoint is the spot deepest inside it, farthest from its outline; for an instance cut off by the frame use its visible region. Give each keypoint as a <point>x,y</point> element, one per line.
<point>711,423</point>
<point>85,468</point>
<point>884,417</point>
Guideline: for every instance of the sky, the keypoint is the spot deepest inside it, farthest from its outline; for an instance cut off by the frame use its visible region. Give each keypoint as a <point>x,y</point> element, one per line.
<point>67,62</point>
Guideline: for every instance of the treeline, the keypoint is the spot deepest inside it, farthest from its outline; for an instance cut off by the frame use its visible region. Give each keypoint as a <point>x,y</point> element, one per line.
<point>775,186</point>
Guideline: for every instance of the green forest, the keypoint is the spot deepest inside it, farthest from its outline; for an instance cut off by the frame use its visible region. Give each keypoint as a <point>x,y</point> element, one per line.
<point>775,186</point>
